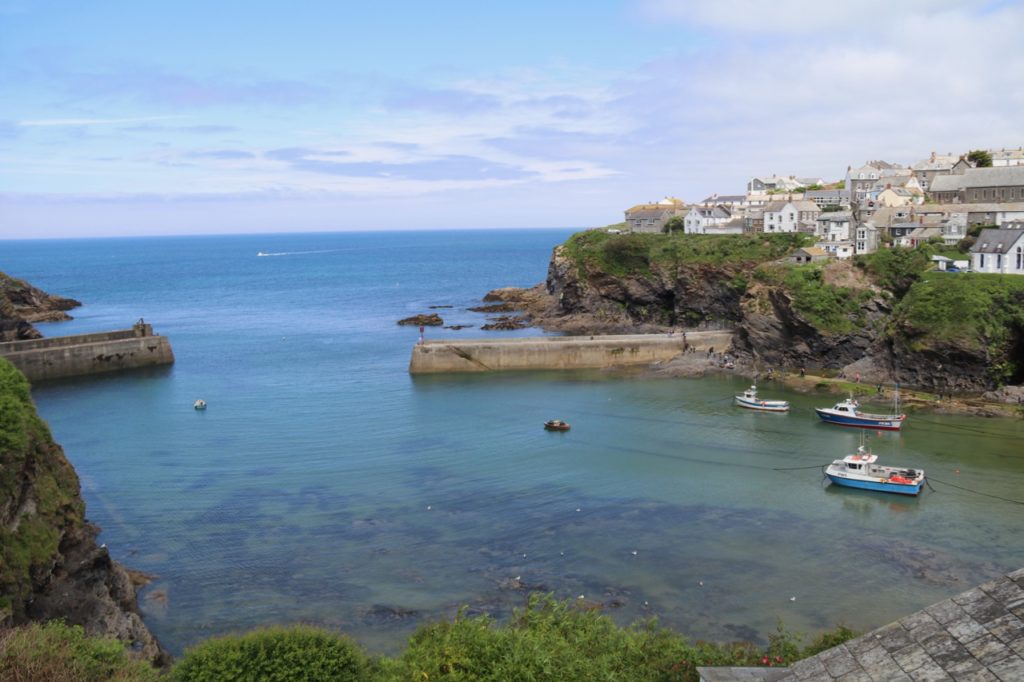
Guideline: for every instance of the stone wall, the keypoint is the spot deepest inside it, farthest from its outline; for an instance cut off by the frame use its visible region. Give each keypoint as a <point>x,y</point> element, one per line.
<point>557,352</point>
<point>67,356</point>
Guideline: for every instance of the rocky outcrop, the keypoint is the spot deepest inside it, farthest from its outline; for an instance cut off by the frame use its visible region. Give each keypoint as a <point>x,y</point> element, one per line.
<point>21,304</point>
<point>50,564</point>
<point>878,344</point>
<point>423,320</point>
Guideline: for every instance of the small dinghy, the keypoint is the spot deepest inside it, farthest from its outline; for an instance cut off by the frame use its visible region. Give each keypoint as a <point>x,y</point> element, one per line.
<point>556,425</point>
<point>199,404</point>
<point>861,471</point>
<point>750,400</point>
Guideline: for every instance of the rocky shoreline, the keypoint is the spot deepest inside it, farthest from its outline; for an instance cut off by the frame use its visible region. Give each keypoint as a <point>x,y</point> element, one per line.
<point>768,333</point>
<point>21,304</point>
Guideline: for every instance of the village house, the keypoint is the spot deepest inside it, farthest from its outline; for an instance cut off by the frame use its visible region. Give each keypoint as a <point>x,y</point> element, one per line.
<point>866,238</point>
<point>834,226</point>
<point>753,220</point>
<point>918,236</point>
<point>999,250</point>
<point>733,202</point>
<point>980,185</point>
<point>841,250</point>
<point>772,183</point>
<point>928,169</point>
<point>808,254</point>
<point>790,216</point>
<point>1007,157</point>
<point>897,196</point>
<point>859,181</point>
<point>825,198</point>
<point>652,217</point>
<point>732,226</point>
<point>700,218</point>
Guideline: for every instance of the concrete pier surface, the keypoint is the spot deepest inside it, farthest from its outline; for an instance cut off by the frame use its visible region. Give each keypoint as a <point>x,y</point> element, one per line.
<point>558,352</point>
<point>82,354</point>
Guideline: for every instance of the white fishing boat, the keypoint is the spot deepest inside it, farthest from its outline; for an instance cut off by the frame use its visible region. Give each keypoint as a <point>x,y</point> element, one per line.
<point>861,471</point>
<point>750,401</point>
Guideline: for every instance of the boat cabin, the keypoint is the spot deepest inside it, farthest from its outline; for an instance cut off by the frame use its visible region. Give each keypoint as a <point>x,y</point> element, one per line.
<point>858,462</point>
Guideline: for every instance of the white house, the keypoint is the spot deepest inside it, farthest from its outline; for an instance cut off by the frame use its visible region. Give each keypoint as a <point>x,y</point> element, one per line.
<point>999,251</point>
<point>834,226</point>
<point>841,250</point>
<point>700,218</point>
<point>790,216</point>
<point>866,238</point>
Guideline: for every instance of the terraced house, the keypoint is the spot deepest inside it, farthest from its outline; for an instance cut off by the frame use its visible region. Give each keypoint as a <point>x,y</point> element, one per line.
<point>1000,251</point>
<point>980,185</point>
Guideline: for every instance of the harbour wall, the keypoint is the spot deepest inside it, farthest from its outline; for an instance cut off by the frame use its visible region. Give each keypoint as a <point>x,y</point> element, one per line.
<point>558,352</point>
<point>83,354</point>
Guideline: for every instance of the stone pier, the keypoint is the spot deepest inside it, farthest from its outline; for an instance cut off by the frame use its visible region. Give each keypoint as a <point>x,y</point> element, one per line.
<point>557,352</point>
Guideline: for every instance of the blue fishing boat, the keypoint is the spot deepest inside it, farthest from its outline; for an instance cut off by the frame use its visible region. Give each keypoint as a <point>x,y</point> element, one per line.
<point>750,400</point>
<point>847,413</point>
<point>861,471</point>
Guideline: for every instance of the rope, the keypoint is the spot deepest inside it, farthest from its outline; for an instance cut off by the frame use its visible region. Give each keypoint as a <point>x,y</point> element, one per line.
<point>976,492</point>
<point>816,466</point>
<point>970,429</point>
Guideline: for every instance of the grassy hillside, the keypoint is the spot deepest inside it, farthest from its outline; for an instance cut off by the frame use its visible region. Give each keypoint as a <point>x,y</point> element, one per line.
<point>38,492</point>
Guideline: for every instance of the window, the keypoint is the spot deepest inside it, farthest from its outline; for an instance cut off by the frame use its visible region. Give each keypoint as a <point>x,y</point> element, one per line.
<point>981,259</point>
<point>1020,257</point>
<point>999,261</point>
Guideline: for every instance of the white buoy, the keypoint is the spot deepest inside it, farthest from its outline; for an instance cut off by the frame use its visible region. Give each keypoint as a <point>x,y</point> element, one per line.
<point>633,552</point>
<point>792,599</point>
<point>701,583</point>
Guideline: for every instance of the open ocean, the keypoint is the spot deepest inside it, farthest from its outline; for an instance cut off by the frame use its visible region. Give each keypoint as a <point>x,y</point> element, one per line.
<point>326,485</point>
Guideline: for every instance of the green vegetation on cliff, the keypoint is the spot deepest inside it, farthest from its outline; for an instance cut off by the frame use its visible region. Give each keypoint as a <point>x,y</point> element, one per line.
<point>61,653</point>
<point>831,309</point>
<point>640,253</point>
<point>38,493</point>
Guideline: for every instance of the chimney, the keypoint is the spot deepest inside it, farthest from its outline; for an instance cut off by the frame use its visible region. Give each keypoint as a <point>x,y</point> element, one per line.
<point>933,157</point>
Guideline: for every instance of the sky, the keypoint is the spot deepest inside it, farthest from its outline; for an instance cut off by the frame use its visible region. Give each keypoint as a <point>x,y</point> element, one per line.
<point>156,117</point>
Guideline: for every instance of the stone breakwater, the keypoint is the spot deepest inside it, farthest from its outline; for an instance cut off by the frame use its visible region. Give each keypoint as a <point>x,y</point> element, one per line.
<point>558,352</point>
<point>82,354</point>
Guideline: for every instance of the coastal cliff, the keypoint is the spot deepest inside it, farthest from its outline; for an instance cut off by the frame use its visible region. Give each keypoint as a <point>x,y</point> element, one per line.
<point>50,564</point>
<point>886,317</point>
<point>21,304</point>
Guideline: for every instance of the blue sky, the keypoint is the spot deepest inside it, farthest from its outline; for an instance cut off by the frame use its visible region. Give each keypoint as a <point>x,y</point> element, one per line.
<point>197,117</point>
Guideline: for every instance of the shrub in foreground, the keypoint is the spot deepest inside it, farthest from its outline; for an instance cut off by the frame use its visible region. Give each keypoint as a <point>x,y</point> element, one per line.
<point>54,652</point>
<point>297,653</point>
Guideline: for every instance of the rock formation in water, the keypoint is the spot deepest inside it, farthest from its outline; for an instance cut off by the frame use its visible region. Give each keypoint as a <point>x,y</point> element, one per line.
<point>21,304</point>
<point>50,564</point>
<point>839,315</point>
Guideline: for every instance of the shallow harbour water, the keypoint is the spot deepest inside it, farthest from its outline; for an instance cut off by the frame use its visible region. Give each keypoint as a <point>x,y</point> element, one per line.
<point>324,484</point>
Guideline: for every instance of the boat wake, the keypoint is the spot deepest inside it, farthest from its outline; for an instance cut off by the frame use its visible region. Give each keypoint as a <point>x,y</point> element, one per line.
<point>294,253</point>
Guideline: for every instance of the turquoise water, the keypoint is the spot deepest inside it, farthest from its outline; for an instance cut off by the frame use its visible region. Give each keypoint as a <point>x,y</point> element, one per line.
<point>326,485</point>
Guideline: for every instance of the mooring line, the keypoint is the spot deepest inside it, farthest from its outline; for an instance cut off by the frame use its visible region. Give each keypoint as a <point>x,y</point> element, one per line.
<point>969,490</point>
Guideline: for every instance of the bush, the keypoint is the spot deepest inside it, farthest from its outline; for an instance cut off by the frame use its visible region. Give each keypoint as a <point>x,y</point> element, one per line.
<point>55,652</point>
<point>830,309</point>
<point>295,653</point>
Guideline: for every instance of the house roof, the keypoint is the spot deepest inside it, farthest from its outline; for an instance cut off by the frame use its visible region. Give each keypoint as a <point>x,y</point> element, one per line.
<point>1004,176</point>
<point>975,635</point>
<point>835,217</point>
<point>827,194</point>
<point>725,199</point>
<point>812,251</point>
<point>644,213</point>
<point>997,241</point>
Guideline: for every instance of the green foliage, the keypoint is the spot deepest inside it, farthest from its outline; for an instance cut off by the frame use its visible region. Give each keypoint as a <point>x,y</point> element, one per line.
<point>829,639</point>
<point>974,309</point>
<point>896,269</point>
<point>830,309</point>
<point>30,461</point>
<point>980,158</point>
<point>640,253</point>
<point>296,653</point>
<point>673,225</point>
<point>60,653</point>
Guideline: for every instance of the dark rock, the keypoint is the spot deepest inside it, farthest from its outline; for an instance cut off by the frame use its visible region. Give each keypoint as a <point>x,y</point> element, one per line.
<point>21,304</point>
<point>423,320</point>
<point>507,323</point>
<point>494,308</point>
<point>438,307</point>
<point>381,613</point>
<point>457,327</point>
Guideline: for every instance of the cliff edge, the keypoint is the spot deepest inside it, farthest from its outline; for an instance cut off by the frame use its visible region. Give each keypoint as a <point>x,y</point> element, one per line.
<point>887,317</point>
<point>50,565</point>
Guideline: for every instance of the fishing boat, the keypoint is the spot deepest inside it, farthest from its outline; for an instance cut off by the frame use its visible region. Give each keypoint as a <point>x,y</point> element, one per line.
<point>750,400</point>
<point>847,413</point>
<point>861,471</point>
<point>556,425</point>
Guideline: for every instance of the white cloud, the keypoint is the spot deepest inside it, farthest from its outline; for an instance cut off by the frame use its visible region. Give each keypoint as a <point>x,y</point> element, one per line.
<point>62,122</point>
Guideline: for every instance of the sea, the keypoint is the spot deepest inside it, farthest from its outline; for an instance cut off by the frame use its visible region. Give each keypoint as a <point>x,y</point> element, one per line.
<point>324,484</point>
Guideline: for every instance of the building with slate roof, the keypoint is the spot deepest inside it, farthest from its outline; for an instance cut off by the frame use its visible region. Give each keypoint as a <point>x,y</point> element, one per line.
<point>977,635</point>
<point>980,185</point>
<point>999,251</point>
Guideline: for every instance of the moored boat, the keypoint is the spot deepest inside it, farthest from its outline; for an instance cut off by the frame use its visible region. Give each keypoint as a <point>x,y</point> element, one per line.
<point>199,404</point>
<point>861,471</point>
<point>847,413</point>
<point>750,400</point>
<point>556,425</point>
